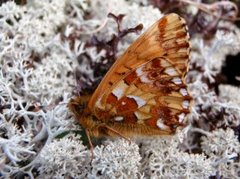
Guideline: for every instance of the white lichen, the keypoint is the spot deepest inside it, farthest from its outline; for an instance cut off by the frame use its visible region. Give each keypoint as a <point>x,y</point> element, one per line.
<point>223,149</point>
<point>64,158</point>
<point>118,159</point>
<point>164,159</point>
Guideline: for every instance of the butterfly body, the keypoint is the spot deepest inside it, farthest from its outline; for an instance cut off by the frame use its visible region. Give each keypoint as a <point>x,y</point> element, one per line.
<point>144,92</point>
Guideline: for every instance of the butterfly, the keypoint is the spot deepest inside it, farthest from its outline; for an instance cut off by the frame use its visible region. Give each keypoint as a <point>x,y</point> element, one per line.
<point>144,93</point>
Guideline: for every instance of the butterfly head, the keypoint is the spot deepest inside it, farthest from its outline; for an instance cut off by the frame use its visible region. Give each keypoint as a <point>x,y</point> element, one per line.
<point>79,107</point>
<point>78,104</point>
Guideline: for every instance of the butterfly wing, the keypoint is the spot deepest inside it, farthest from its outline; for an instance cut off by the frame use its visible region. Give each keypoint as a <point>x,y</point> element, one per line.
<point>146,85</point>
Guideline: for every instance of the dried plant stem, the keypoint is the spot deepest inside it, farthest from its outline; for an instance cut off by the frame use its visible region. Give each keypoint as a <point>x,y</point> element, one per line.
<point>210,8</point>
<point>97,29</point>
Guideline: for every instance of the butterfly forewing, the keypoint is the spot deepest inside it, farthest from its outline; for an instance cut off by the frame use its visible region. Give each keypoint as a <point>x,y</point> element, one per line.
<point>145,89</point>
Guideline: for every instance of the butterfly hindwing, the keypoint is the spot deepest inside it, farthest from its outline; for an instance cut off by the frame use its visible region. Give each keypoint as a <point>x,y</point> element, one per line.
<point>153,95</point>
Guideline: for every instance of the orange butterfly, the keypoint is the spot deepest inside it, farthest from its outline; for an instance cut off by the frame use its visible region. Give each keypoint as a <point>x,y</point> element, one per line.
<point>144,92</point>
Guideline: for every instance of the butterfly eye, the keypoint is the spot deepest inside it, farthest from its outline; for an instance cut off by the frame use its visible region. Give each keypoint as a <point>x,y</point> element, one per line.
<point>79,107</point>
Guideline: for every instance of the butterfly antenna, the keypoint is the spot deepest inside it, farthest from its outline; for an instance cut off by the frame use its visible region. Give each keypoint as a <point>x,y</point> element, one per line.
<point>90,144</point>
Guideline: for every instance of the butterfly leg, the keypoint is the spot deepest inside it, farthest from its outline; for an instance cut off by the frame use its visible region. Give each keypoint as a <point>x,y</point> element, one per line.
<point>118,133</point>
<point>90,143</point>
